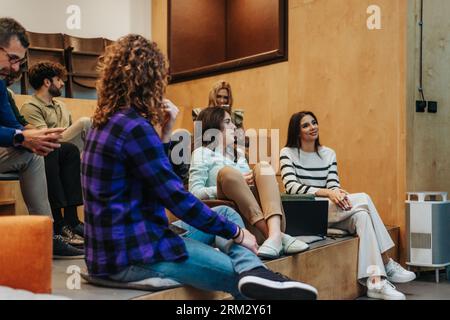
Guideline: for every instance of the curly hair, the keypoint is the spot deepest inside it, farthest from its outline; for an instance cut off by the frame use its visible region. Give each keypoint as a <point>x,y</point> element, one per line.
<point>215,90</point>
<point>133,73</point>
<point>45,70</point>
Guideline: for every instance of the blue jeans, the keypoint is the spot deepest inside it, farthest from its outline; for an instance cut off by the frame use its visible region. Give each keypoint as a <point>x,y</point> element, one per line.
<point>206,268</point>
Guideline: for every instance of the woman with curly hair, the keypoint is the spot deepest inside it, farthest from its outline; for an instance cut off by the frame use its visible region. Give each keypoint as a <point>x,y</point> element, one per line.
<point>128,182</point>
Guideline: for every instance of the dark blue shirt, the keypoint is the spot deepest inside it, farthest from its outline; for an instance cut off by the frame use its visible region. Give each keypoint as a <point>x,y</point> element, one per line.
<point>8,122</point>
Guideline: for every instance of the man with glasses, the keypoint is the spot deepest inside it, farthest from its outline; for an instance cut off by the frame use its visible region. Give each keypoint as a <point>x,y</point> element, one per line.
<point>20,149</point>
<point>13,59</point>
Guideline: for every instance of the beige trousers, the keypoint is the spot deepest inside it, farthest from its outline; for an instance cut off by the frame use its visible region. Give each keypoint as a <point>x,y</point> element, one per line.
<point>374,239</point>
<point>255,203</point>
<point>77,132</point>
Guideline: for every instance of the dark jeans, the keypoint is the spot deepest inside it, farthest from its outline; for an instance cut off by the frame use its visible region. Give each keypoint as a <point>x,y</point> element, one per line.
<point>62,168</point>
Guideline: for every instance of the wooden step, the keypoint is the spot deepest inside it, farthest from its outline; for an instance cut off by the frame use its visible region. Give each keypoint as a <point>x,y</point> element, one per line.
<point>317,266</point>
<point>7,202</point>
<point>7,207</point>
<point>331,267</point>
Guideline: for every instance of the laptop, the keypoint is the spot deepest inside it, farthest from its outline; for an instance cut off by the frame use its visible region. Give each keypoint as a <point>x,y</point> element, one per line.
<point>306,218</point>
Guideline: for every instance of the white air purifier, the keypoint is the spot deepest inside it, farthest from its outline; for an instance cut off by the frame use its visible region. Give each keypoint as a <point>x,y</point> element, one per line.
<point>428,230</point>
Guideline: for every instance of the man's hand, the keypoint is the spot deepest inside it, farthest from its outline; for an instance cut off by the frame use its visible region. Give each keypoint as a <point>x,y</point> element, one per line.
<point>170,115</point>
<point>42,141</point>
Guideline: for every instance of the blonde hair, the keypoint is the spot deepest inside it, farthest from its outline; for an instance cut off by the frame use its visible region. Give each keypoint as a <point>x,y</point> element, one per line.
<point>133,73</point>
<point>215,90</point>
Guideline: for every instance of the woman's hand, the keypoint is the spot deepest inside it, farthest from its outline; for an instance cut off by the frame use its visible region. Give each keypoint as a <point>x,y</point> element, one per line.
<point>347,202</point>
<point>339,197</point>
<point>247,240</point>
<point>170,115</point>
<point>249,178</point>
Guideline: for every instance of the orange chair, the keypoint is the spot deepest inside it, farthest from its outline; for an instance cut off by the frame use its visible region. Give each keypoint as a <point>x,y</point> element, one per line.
<point>26,253</point>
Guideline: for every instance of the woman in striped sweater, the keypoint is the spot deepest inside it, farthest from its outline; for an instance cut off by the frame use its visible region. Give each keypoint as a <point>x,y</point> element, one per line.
<point>307,167</point>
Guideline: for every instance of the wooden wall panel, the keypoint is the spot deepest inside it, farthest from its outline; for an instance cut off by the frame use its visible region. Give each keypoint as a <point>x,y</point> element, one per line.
<point>352,78</point>
<point>199,39</point>
<point>159,24</point>
<point>252,27</point>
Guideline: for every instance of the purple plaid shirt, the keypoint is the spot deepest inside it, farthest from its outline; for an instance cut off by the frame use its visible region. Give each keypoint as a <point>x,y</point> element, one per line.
<point>127,182</point>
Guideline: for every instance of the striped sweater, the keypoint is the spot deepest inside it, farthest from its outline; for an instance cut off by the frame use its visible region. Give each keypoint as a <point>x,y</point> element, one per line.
<point>306,172</point>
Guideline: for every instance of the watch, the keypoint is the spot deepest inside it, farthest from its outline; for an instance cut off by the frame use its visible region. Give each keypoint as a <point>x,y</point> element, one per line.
<point>18,139</point>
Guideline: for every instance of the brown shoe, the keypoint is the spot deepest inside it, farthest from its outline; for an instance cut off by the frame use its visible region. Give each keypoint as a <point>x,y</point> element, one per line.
<point>71,238</point>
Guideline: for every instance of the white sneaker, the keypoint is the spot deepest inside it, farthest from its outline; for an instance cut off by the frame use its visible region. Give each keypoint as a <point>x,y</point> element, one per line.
<point>397,274</point>
<point>384,291</point>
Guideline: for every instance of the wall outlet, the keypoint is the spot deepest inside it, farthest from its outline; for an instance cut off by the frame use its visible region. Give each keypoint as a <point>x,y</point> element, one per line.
<point>421,106</point>
<point>432,106</point>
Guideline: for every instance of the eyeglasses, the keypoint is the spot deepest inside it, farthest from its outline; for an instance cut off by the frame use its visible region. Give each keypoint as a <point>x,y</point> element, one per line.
<point>13,59</point>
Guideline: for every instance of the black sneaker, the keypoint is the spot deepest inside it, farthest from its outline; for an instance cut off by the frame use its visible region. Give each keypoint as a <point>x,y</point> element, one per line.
<point>73,239</point>
<point>78,229</point>
<point>63,250</point>
<point>262,284</point>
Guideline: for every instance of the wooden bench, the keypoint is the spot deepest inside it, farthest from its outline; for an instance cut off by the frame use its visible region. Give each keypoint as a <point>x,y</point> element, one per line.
<point>329,265</point>
<point>7,196</point>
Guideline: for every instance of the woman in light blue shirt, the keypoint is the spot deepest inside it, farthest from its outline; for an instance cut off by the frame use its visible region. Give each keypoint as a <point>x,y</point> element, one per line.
<point>216,173</point>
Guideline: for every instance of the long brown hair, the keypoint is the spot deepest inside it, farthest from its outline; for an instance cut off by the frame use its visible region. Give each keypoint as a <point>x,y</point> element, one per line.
<point>133,73</point>
<point>215,90</point>
<point>211,118</point>
<point>293,138</point>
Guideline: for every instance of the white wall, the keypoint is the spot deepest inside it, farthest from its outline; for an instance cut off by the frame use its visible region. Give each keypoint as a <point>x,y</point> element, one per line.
<point>99,18</point>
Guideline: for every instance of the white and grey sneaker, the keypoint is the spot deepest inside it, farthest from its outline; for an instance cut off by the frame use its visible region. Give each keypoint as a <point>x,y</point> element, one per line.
<point>397,274</point>
<point>384,291</point>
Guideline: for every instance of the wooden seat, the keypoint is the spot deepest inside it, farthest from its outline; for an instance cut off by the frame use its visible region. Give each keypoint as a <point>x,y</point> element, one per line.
<point>9,176</point>
<point>331,266</point>
<point>107,42</point>
<point>7,196</point>
<point>43,46</point>
<point>82,59</point>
